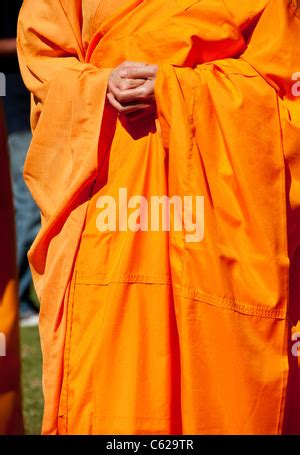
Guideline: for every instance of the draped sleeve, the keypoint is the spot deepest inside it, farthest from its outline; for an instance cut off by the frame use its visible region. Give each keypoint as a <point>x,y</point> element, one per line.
<point>67,95</point>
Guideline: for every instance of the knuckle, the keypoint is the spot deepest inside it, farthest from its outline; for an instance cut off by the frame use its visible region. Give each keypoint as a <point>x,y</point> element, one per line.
<point>124,73</point>
<point>121,97</point>
<point>124,85</point>
<point>143,92</point>
<point>117,94</point>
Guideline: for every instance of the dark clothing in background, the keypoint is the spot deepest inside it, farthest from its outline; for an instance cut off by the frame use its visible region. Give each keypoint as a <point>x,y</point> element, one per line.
<point>17,113</point>
<point>17,99</point>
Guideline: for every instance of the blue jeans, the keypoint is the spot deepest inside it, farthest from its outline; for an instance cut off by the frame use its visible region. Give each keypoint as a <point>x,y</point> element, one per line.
<point>27,213</point>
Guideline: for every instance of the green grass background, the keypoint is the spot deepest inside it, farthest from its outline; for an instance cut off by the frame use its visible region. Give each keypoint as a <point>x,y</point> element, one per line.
<point>31,380</point>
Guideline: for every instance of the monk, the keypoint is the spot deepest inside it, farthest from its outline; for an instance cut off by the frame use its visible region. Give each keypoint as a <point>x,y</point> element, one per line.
<point>10,396</point>
<point>183,324</point>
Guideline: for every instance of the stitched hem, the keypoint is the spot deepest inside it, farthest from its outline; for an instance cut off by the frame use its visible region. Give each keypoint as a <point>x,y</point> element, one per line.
<point>229,304</point>
<point>106,279</point>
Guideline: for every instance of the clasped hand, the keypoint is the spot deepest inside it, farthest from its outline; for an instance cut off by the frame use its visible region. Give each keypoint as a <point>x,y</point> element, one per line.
<point>131,88</point>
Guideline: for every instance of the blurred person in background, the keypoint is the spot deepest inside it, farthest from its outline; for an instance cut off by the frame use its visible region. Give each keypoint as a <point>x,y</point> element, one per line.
<point>10,395</point>
<point>17,113</point>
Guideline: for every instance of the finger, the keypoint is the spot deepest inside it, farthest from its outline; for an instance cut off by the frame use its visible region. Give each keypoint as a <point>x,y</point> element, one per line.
<point>127,96</point>
<point>127,108</point>
<point>128,84</point>
<point>131,63</point>
<point>143,72</point>
<point>128,64</point>
<point>114,102</point>
<point>125,84</point>
<point>137,115</point>
<point>134,108</point>
<point>141,94</point>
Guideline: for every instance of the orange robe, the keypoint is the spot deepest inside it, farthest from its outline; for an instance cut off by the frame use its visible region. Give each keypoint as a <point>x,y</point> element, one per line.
<point>10,396</point>
<point>144,332</point>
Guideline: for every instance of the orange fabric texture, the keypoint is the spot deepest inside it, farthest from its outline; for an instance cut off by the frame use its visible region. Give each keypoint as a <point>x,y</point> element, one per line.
<point>143,332</point>
<point>10,396</point>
